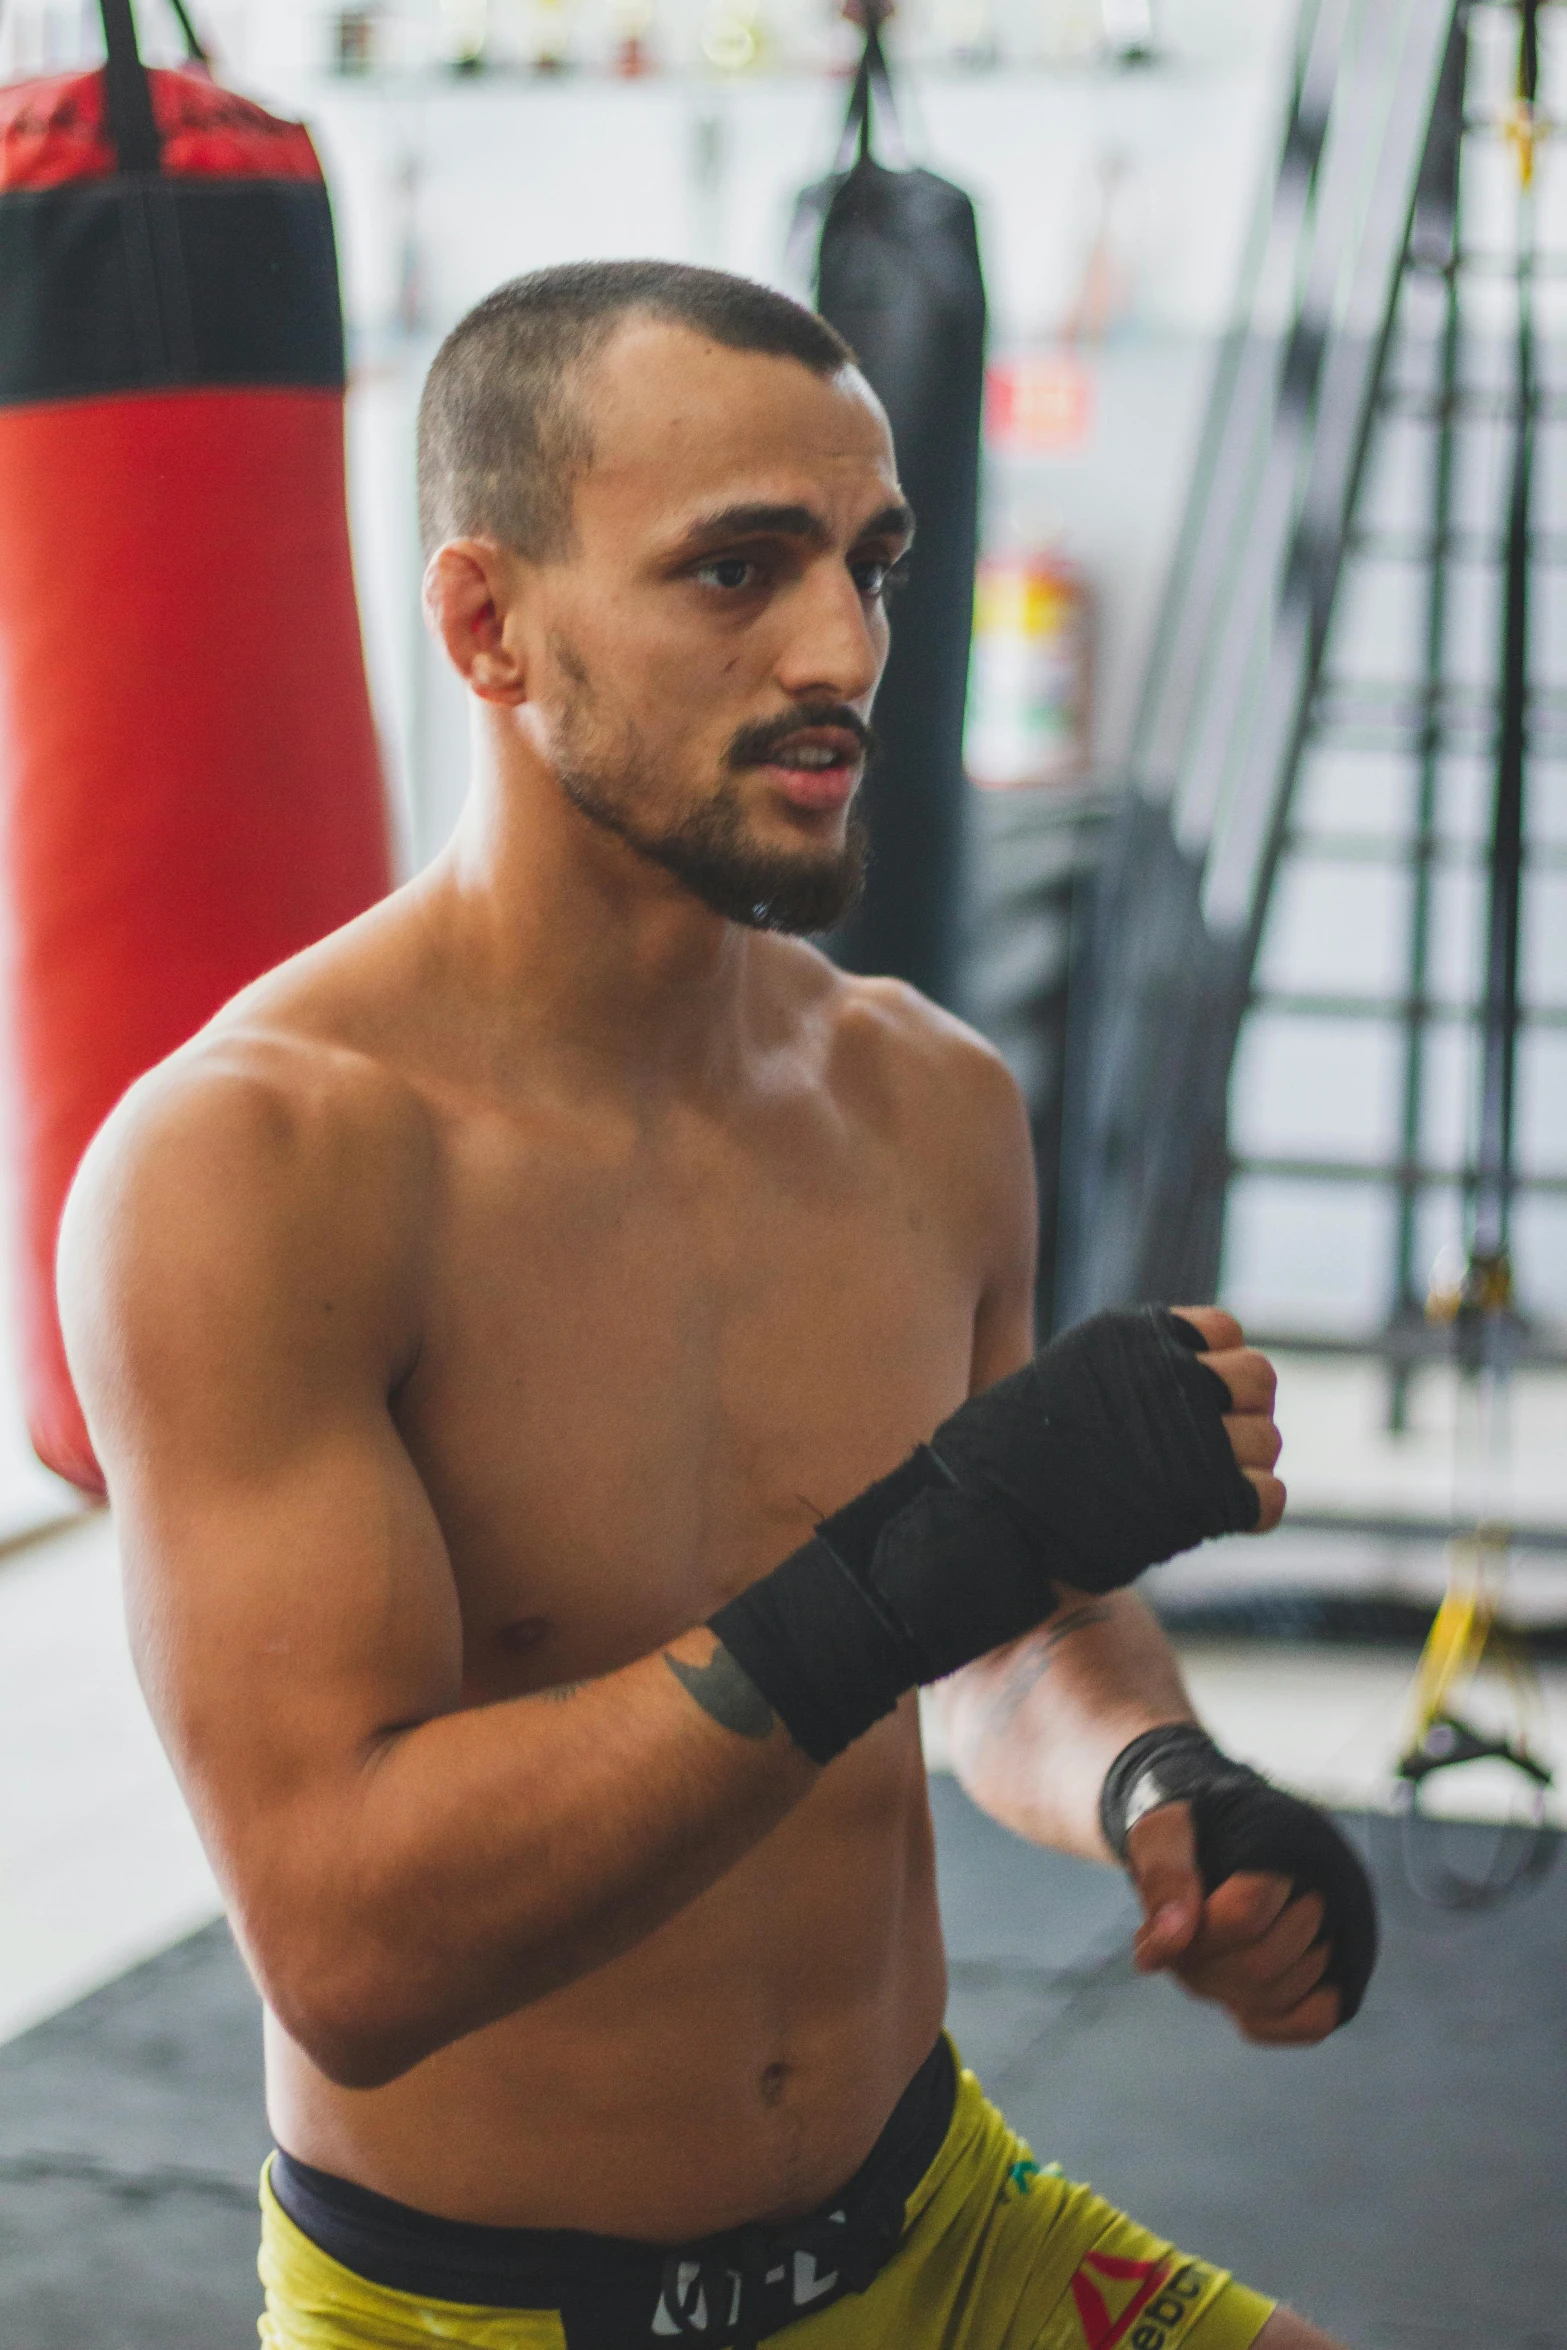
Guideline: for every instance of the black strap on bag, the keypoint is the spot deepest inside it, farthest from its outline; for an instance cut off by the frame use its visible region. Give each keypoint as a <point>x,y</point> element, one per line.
<point>159,288</point>
<point>131,123</point>
<point>872,88</point>
<point>195,48</point>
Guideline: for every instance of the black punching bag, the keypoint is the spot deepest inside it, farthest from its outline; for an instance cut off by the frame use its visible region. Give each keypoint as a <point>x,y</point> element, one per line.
<point>898,275</point>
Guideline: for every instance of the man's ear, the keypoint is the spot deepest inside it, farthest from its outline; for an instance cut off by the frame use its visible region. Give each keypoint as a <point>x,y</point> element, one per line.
<point>470,588</point>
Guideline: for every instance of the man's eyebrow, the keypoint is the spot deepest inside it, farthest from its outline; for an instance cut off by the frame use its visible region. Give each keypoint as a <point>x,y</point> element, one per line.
<point>793,522</point>
<point>893,522</point>
<point>762,520</point>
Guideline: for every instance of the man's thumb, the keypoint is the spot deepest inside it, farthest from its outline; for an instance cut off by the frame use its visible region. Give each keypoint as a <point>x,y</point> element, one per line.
<point>1161,1860</point>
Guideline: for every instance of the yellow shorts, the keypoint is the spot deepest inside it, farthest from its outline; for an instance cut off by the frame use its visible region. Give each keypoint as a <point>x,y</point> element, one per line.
<point>996,2255</point>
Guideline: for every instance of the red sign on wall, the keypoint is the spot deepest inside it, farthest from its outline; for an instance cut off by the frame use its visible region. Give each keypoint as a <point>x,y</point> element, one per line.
<point>1041,402</point>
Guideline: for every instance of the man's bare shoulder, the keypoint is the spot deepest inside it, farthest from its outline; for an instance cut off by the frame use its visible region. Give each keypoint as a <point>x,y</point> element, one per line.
<point>260,1178</point>
<point>896,1055</point>
<point>283,1106</point>
<point>917,1079</point>
<point>286,1102</point>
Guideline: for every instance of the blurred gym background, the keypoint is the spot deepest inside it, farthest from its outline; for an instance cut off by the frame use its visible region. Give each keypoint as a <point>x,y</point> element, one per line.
<point>1254,866</point>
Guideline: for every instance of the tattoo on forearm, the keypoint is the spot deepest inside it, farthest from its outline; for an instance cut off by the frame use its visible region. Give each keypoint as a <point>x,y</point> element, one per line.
<point>562,1691</point>
<point>1092,1611</point>
<point>1029,1669</point>
<point>725,1690</point>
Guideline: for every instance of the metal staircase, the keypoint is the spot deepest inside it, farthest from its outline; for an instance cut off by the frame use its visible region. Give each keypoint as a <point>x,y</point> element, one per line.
<point>1328,949</point>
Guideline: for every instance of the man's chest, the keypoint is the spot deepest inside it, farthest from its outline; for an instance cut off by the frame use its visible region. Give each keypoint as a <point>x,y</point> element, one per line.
<point>646,1374</point>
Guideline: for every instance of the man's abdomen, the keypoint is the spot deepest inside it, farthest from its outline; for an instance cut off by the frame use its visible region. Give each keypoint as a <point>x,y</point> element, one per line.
<point>737,2065</point>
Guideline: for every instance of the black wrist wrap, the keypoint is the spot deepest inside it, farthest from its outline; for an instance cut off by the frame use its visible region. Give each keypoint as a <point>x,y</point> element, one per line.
<point>1110,1448</point>
<point>905,1583</point>
<point>1242,1822</point>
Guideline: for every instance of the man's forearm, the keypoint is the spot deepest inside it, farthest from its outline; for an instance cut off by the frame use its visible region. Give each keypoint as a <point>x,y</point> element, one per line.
<point>482,1859</point>
<point>1034,1727</point>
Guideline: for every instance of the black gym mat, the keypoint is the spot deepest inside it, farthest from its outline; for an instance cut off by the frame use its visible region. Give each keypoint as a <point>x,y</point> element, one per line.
<point>1403,2184</point>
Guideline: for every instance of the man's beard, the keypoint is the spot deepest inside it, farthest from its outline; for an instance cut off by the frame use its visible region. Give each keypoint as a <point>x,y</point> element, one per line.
<point>709,848</point>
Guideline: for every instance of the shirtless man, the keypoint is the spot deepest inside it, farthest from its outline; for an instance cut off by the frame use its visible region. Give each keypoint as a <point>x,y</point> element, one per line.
<point>512,1281</point>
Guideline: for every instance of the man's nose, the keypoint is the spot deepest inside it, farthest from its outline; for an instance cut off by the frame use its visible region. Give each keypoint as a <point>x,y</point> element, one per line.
<point>836,641</point>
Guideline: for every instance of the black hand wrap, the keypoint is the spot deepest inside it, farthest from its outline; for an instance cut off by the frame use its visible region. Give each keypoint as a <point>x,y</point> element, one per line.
<point>1109,1447</point>
<point>1105,1453</point>
<point>1244,1822</point>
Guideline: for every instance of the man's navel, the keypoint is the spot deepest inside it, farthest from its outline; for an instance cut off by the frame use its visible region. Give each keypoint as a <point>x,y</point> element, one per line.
<point>515,1639</point>
<point>774,2082</point>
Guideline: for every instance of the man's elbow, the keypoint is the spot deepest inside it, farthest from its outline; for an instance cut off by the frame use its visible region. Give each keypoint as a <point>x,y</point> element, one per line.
<point>353,2030</point>
<point>364,2025</point>
<point>362,2007</point>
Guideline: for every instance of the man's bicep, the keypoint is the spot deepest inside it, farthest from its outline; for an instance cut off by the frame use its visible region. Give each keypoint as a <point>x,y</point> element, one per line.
<point>284,1625</point>
<point>287,1587</point>
<point>1004,1314</point>
<point>285,1622</point>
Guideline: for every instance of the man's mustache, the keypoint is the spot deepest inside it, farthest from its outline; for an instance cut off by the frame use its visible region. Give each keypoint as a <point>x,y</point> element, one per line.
<point>757,746</point>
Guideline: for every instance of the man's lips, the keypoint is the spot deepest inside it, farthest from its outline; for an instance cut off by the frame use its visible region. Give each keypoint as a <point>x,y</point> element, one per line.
<point>815,767</point>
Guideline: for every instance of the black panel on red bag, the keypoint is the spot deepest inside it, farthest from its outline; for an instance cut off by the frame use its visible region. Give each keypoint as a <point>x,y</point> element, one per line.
<point>131,289</point>
<point>157,230</point>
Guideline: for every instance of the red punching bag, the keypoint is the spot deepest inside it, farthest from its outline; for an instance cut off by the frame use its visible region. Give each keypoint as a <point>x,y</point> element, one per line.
<point>189,783</point>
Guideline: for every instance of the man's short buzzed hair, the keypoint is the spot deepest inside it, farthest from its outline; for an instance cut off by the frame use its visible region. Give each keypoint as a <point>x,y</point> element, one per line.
<point>502,431</point>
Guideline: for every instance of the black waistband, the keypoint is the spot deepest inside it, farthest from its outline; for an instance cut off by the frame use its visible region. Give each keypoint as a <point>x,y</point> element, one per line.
<point>614,2293</point>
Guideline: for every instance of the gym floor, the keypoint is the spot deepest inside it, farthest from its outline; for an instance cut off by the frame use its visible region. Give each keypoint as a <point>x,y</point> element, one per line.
<point>1398,2184</point>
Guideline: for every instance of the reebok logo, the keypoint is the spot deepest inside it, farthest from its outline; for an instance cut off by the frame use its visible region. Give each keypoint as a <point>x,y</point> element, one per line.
<point>1138,2303</point>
